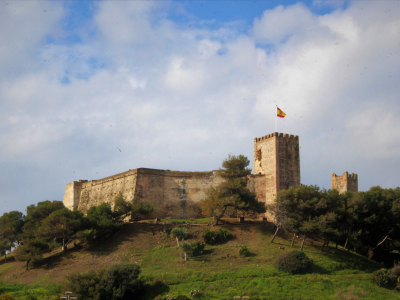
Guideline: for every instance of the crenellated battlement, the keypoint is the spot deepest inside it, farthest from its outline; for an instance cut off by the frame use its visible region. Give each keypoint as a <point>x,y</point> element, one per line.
<point>345,182</point>
<point>350,176</point>
<point>276,134</point>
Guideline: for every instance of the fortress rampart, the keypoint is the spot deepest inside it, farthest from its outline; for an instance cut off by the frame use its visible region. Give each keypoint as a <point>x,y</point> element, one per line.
<point>177,194</point>
<point>173,193</point>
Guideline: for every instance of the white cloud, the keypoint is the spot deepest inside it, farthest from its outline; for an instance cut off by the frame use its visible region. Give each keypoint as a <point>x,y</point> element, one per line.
<point>183,97</point>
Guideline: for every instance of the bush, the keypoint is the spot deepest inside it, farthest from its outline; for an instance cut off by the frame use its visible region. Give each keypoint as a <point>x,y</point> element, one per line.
<point>294,262</point>
<point>186,246</point>
<point>395,271</point>
<point>244,251</point>
<point>197,248</point>
<point>7,296</point>
<point>215,237</point>
<point>119,282</point>
<point>180,233</point>
<point>382,278</point>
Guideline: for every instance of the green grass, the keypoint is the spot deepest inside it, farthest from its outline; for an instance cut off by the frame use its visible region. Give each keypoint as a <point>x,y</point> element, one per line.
<point>24,292</point>
<point>220,273</point>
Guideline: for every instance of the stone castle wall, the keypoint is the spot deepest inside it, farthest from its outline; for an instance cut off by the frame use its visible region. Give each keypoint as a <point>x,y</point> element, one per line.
<point>173,194</point>
<point>345,182</point>
<point>177,194</point>
<point>277,157</point>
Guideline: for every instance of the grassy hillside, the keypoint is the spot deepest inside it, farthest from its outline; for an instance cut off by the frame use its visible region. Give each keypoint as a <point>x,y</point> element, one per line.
<point>220,273</point>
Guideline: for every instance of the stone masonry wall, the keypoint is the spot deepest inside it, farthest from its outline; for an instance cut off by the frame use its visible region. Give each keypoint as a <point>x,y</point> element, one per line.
<point>345,182</point>
<point>173,194</point>
<point>277,157</point>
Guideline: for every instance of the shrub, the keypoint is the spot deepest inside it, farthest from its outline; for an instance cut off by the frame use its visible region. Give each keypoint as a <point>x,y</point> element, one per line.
<point>382,278</point>
<point>186,246</point>
<point>395,271</point>
<point>215,237</point>
<point>244,251</point>
<point>197,248</point>
<point>180,233</point>
<point>294,262</point>
<point>7,296</point>
<point>119,282</point>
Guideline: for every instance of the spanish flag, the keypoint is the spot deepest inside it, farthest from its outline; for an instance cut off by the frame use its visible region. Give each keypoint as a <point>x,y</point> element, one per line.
<point>280,113</point>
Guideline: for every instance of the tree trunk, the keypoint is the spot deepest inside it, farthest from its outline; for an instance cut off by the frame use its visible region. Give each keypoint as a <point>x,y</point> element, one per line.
<point>336,245</point>
<point>325,243</point>
<point>5,256</point>
<point>216,219</point>
<point>177,241</point>
<point>294,236</point>
<point>185,256</point>
<point>381,242</point>
<point>27,264</point>
<point>345,244</point>
<point>276,232</point>
<point>302,243</point>
<point>63,247</point>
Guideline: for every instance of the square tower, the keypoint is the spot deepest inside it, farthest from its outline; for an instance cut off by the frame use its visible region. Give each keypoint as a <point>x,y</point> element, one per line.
<point>344,183</point>
<point>277,156</point>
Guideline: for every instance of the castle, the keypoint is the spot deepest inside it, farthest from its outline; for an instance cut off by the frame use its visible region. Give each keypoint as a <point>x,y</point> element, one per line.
<point>177,194</point>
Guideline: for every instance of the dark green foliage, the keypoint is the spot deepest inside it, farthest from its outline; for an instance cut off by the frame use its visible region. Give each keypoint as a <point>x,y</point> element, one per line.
<point>140,208</point>
<point>382,278</point>
<point>180,233</point>
<point>11,225</point>
<point>216,237</point>
<point>294,262</point>
<point>197,248</point>
<point>31,250</point>
<point>103,220</point>
<point>62,224</point>
<point>244,251</point>
<point>85,285</point>
<point>36,213</point>
<point>186,246</point>
<point>232,195</point>
<point>118,282</point>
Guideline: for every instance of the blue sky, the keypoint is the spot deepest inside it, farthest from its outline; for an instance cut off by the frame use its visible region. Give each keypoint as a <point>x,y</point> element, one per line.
<point>179,85</point>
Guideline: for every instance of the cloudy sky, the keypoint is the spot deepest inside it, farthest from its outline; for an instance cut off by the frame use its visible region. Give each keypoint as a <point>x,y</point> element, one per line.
<point>179,85</point>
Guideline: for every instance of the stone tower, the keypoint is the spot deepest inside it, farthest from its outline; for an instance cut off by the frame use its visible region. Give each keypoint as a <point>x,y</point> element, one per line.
<point>277,157</point>
<point>344,183</point>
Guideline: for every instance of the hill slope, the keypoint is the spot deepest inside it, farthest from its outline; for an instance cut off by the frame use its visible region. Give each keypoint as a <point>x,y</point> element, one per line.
<point>220,273</point>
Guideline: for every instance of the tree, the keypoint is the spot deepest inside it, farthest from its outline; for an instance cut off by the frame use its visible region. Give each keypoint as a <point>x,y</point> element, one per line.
<point>11,225</point>
<point>32,246</point>
<point>185,246</point>
<point>308,211</point>
<point>35,214</point>
<point>31,250</point>
<point>4,247</point>
<point>232,194</point>
<point>179,234</point>
<point>102,220</point>
<point>140,208</point>
<point>376,219</point>
<point>61,224</point>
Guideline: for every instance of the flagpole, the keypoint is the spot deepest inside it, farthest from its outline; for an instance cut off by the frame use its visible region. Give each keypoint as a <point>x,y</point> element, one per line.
<point>276,119</point>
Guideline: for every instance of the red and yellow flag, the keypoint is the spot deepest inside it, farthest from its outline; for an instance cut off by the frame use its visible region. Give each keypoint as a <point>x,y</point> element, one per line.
<point>280,113</point>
